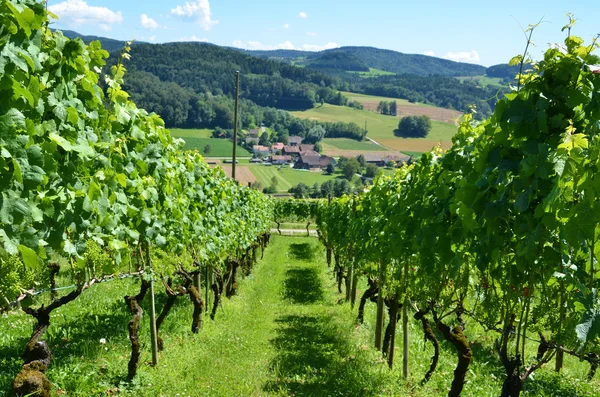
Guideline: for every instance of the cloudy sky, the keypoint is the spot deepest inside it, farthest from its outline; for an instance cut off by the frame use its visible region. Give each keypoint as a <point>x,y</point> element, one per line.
<point>469,31</point>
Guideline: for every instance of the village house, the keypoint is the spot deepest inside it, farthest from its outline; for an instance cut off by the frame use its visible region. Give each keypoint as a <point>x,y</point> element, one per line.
<point>291,150</point>
<point>277,146</point>
<point>294,140</point>
<point>281,160</point>
<point>399,160</point>
<point>374,158</point>
<point>307,148</point>
<point>260,150</point>
<point>251,141</point>
<point>313,162</point>
<point>254,132</point>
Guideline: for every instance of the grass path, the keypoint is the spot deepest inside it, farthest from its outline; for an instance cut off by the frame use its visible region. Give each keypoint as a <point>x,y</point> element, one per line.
<point>287,333</point>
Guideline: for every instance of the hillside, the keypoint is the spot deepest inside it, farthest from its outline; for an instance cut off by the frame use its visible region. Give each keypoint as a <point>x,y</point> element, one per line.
<point>375,58</point>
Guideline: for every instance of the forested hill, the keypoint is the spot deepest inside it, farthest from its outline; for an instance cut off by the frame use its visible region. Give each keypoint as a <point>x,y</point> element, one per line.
<point>110,45</point>
<point>364,58</point>
<point>205,67</point>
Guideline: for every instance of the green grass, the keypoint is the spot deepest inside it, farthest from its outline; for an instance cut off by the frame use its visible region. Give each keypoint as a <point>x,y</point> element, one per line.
<point>191,132</point>
<point>199,138</point>
<point>287,333</point>
<point>483,80</point>
<point>373,73</point>
<point>351,144</point>
<point>288,177</point>
<point>378,125</point>
<point>414,154</point>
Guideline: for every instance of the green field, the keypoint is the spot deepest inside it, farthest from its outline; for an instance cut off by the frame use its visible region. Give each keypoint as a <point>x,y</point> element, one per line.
<point>287,177</point>
<point>191,132</point>
<point>351,144</point>
<point>378,125</point>
<point>483,80</point>
<point>353,96</point>
<point>373,73</point>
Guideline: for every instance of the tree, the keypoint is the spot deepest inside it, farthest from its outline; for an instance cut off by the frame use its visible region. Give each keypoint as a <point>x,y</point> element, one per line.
<point>330,169</point>
<point>318,147</point>
<point>342,161</point>
<point>264,139</point>
<point>390,164</point>
<point>299,191</point>
<point>351,168</point>
<point>206,149</point>
<point>414,126</point>
<point>341,187</point>
<point>385,109</point>
<point>361,160</point>
<point>372,171</point>
<point>328,188</point>
<point>315,191</point>
<point>315,134</point>
<point>393,108</point>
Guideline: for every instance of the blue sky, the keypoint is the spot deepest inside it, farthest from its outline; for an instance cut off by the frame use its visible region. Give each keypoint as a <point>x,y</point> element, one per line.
<point>483,33</point>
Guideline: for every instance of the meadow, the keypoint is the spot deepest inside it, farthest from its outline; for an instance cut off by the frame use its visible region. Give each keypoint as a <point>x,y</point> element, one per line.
<point>199,138</point>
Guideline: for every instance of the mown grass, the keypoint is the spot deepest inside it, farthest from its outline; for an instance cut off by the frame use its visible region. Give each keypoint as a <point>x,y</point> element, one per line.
<point>379,126</point>
<point>372,73</point>
<point>351,144</point>
<point>199,138</point>
<point>287,333</point>
<point>287,177</point>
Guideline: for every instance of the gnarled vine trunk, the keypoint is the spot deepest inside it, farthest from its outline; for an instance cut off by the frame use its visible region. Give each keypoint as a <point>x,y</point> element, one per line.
<point>429,336</point>
<point>369,293</point>
<point>217,288</point>
<point>457,338</point>
<point>32,379</point>
<point>133,302</point>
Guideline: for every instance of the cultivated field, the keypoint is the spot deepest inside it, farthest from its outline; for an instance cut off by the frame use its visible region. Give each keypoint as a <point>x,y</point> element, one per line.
<point>381,129</point>
<point>406,108</point>
<point>242,173</point>
<point>349,144</point>
<point>287,177</point>
<point>198,139</point>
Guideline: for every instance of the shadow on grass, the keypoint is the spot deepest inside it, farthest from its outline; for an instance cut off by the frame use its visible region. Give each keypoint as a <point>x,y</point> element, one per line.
<point>304,251</point>
<point>315,359</point>
<point>303,286</point>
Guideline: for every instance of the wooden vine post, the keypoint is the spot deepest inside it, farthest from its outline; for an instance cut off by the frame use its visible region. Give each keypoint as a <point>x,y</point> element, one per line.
<point>153,333</point>
<point>405,334</point>
<point>380,307</point>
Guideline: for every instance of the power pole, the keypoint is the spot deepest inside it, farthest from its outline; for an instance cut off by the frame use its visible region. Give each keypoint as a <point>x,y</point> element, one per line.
<point>366,131</point>
<point>235,121</point>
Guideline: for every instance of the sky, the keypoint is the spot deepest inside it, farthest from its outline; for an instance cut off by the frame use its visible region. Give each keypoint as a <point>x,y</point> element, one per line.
<point>484,33</point>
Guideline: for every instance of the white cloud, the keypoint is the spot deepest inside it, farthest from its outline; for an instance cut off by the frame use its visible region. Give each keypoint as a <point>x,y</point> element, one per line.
<point>303,15</point>
<point>429,53</point>
<point>315,47</point>
<point>286,26</point>
<point>78,12</point>
<point>152,38</point>
<point>148,22</point>
<point>286,45</point>
<point>192,38</point>
<point>464,56</point>
<point>198,11</point>
<point>256,45</point>
<point>311,34</point>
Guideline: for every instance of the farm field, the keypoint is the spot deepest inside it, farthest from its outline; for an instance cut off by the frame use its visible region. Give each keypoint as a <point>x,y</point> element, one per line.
<point>219,147</point>
<point>372,73</point>
<point>483,80</point>
<point>242,173</point>
<point>287,332</point>
<point>405,108</point>
<point>191,132</point>
<point>349,144</point>
<point>381,128</point>
<point>287,177</point>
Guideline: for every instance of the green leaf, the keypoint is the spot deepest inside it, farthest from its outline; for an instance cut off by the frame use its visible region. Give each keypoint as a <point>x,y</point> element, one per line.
<point>30,258</point>
<point>60,141</point>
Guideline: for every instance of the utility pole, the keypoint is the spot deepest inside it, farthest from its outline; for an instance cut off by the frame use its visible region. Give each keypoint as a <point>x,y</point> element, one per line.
<point>235,122</point>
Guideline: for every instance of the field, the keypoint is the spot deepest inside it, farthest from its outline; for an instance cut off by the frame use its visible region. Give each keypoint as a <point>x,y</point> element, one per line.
<point>483,80</point>
<point>349,144</point>
<point>287,177</point>
<point>406,108</point>
<point>242,173</point>
<point>381,128</point>
<point>286,333</point>
<point>191,132</point>
<point>373,73</point>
